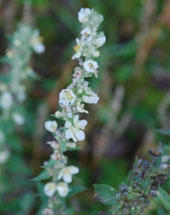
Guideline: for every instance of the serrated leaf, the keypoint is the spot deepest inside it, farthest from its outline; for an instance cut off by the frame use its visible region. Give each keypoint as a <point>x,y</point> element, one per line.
<point>164,198</point>
<point>105,193</point>
<point>42,176</point>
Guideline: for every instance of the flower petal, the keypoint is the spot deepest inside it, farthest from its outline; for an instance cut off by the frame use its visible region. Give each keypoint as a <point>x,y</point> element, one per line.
<point>62,189</point>
<point>76,119</point>
<point>51,126</point>
<point>74,169</point>
<point>82,124</point>
<point>60,175</point>
<point>50,189</point>
<point>67,178</point>
<point>68,134</point>
<point>79,135</point>
<point>68,124</point>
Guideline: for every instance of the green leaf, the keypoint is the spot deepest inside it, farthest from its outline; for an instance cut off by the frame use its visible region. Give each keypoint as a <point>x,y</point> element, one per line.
<point>40,188</point>
<point>161,211</point>
<point>164,198</point>
<point>74,149</point>
<point>105,193</point>
<point>63,146</point>
<point>49,163</point>
<point>162,131</point>
<point>42,176</point>
<point>75,190</point>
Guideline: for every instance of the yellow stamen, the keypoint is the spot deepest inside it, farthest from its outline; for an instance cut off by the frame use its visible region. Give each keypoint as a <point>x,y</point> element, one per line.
<point>37,40</point>
<point>76,48</point>
<point>91,66</point>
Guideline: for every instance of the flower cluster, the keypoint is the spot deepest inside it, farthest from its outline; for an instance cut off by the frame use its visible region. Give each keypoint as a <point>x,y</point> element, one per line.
<point>13,84</point>
<point>72,102</point>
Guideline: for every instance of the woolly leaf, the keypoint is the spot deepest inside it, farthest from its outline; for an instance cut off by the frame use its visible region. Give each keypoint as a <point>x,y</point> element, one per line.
<point>42,176</point>
<point>105,193</point>
<point>164,198</point>
<point>75,190</point>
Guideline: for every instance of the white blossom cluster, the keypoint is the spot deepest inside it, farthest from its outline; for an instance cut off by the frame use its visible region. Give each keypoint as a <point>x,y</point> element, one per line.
<point>72,102</point>
<point>13,84</point>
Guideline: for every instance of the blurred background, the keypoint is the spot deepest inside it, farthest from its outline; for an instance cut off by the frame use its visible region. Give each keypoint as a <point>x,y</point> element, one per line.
<point>133,86</point>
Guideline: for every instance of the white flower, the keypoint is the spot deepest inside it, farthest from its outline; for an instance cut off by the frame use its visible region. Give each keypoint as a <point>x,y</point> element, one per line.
<point>68,111</point>
<point>56,155</point>
<point>51,126</point>
<point>77,49</point>
<point>36,42</point>
<point>164,166</point>
<point>4,155</point>
<point>74,130</point>
<point>10,53</point>
<point>50,189</point>
<point>86,34</point>
<point>78,72</point>
<point>62,189</point>
<point>87,31</point>
<point>6,100</point>
<point>3,87</point>
<point>59,114</point>
<point>165,158</point>
<point>96,53</point>
<point>18,118</point>
<point>83,15</point>
<point>48,211</point>
<point>17,42</point>
<point>66,97</point>
<point>90,97</point>
<point>100,41</point>
<point>80,107</point>
<point>91,66</point>
<point>71,144</point>
<point>67,173</point>
<point>39,47</point>
<point>55,145</point>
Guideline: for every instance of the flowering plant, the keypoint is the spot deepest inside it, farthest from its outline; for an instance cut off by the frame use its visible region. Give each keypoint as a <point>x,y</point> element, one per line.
<point>13,84</point>
<point>144,183</point>
<point>72,102</point>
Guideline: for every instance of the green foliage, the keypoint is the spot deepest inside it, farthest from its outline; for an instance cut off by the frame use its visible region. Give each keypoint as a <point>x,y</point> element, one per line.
<point>164,198</point>
<point>144,76</point>
<point>74,190</point>
<point>144,179</point>
<point>105,194</point>
<point>119,174</point>
<point>42,176</point>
